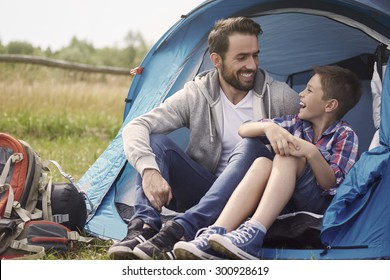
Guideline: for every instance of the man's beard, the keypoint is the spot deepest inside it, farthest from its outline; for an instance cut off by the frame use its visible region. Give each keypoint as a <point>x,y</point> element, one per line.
<point>234,81</point>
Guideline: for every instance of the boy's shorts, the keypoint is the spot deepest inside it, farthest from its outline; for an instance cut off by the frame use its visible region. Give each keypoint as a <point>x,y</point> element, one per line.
<point>308,196</point>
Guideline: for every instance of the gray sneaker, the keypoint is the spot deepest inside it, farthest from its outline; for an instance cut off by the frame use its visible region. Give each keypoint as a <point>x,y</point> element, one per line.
<point>136,235</point>
<point>199,248</point>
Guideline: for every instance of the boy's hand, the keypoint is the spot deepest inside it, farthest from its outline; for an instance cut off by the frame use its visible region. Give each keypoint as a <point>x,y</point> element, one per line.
<point>305,148</point>
<point>156,189</point>
<point>280,139</point>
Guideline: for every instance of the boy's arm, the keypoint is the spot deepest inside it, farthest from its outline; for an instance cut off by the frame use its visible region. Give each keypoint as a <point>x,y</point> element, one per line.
<point>278,137</point>
<point>322,170</point>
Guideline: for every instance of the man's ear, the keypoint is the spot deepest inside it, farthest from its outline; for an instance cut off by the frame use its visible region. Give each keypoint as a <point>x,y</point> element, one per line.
<point>215,59</point>
<point>331,105</point>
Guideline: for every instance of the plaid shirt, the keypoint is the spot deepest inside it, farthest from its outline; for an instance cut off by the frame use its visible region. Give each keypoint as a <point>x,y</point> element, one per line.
<point>338,144</point>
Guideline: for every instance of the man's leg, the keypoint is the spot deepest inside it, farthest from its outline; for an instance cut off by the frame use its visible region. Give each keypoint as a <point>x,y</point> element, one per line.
<point>188,180</point>
<point>210,206</point>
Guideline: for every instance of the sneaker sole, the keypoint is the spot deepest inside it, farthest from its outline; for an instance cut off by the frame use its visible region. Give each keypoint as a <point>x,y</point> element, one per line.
<point>184,251</point>
<point>225,247</point>
<point>121,253</point>
<point>139,254</point>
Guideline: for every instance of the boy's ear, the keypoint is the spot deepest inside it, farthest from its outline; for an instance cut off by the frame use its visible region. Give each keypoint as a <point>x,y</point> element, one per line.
<point>331,105</point>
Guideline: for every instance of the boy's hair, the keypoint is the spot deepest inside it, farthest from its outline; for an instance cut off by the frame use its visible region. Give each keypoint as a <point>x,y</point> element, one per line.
<point>218,39</point>
<point>340,84</point>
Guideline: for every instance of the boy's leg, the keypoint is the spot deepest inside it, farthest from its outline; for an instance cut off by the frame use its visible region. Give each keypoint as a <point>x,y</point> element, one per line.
<point>240,205</point>
<point>210,206</point>
<point>246,196</point>
<point>246,241</point>
<point>279,189</point>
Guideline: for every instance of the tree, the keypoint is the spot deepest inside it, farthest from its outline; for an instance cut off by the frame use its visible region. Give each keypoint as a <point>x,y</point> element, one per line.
<point>77,51</point>
<point>135,50</point>
<point>19,47</point>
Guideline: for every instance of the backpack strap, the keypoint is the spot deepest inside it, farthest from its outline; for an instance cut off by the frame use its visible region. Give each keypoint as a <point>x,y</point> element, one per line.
<point>39,251</point>
<point>10,199</point>
<point>75,236</point>
<point>45,190</point>
<point>46,164</point>
<point>46,194</point>
<point>26,215</point>
<point>15,158</point>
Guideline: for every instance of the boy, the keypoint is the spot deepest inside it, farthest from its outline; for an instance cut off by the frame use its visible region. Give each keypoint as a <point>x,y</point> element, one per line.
<point>314,151</point>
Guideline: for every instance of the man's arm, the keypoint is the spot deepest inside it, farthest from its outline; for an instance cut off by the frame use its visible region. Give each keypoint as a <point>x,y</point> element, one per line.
<point>169,116</point>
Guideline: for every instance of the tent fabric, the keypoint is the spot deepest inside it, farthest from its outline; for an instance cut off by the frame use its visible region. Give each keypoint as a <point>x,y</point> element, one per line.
<point>362,203</point>
<point>357,223</point>
<point>297,35</point>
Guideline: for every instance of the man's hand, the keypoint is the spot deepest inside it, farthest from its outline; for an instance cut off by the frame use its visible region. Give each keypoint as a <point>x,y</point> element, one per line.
<point>156,189</point>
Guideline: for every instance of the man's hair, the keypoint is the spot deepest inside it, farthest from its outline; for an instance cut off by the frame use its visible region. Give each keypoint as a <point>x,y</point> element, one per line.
<point>219,37</point>
<point>340,84</point>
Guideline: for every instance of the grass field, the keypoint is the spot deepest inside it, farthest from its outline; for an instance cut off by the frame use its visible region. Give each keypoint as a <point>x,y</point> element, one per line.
<point>67,116</point>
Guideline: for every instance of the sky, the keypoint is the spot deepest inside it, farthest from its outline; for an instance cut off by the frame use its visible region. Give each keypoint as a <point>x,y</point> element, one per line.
<point>103,23</point>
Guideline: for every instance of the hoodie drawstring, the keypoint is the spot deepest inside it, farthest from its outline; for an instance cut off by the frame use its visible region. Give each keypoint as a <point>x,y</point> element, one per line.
<point>269,101</point>
<point>210,127</point>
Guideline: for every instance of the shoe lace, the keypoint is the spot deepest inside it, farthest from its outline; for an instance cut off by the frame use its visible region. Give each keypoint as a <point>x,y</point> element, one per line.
<point>242,234</point>
<point>164,240</point>
<point>202,235</point>
<point>131,235</point>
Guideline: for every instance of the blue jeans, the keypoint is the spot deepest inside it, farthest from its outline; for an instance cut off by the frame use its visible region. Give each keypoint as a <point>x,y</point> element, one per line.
<point>195,190</point>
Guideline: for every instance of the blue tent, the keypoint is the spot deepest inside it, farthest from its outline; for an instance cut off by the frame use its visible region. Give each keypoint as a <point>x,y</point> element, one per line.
<point>297,35</point>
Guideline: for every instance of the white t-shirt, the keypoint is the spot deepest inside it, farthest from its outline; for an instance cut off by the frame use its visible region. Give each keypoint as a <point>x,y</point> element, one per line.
<point>232,117</point>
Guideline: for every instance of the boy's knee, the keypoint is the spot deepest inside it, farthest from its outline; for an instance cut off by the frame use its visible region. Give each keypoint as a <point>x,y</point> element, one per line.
<point>261,163</point>
<point>290,162</point>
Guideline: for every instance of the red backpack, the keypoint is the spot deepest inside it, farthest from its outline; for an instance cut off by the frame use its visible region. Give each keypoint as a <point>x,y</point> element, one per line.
<point>20,175</point>
<point>28,197</point>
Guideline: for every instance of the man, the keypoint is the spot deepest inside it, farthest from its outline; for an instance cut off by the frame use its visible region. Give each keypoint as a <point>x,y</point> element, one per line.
<point>200,180</point>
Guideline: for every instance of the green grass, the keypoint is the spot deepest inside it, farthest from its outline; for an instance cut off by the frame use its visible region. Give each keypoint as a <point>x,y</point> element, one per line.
<point>67,116</point>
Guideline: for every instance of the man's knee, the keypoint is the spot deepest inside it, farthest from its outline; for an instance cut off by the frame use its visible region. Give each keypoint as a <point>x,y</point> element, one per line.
<point>158,138</point>
<point>251,147</point>
<point>159,141</point>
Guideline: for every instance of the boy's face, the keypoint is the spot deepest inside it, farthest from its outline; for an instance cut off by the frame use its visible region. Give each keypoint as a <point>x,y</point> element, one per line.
<point>238,68</point>
<point>311,100</point>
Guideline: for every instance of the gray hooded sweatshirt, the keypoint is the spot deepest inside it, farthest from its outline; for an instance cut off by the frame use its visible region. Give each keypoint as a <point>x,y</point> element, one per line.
<point>198,107</point>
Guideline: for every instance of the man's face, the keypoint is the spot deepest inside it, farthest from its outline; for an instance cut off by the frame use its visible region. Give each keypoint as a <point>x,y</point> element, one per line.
<point>240,64</point>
